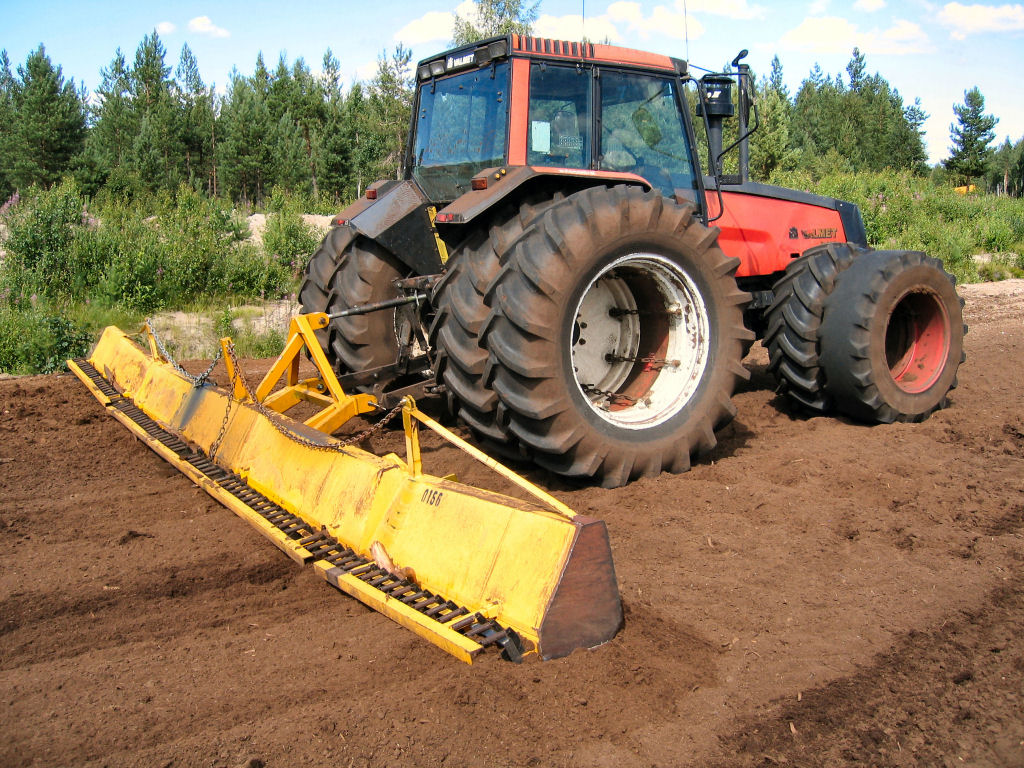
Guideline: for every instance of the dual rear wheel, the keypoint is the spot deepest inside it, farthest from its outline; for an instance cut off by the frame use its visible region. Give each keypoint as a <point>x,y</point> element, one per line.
<point>609,337</point>
<point>875,335</point>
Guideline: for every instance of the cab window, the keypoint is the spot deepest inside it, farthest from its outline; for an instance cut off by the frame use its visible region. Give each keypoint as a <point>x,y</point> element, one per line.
<point>642,130</point>
<point>560,116</point>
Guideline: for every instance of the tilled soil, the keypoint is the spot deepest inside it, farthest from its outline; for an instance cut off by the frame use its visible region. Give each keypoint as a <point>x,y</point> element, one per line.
<point>815,593</point>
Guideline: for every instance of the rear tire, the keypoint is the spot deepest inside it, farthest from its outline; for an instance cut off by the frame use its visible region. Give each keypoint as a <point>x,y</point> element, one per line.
<point>346,272</point>
<point>460,362</point>
<point>643,282</point>
<point>794,322</point>
<point>892,337</point>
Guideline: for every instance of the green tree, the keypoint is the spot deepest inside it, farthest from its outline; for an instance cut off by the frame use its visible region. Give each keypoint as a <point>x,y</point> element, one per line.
<point>244,156</point>
<point>769,145</point>
<point>7,97</point>
<point>865,124</point>
<point>48,126</point>
<point>856,70</point>
<point>113,123</point>
<point>495,17</point>
<point>391,92</point>
<point>776,82</point>
<point>337,151</point>
<point>1015,186</point>
<point>362,140</point>
<point>971,135</point>
<point>1001,176</point>
<point>157,149</point>
<point>196,104</point>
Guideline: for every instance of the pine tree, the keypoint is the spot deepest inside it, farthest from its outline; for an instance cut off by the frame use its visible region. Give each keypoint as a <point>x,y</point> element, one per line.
<point>856,69</point>
<point>196,104</point>
<point>1001,174</point>
<point>158,148</point>
<point>495,17</point>
<point>361,139</point>
<point>769,145</point>
<point>48,127</point>
<point>244,156</point>
<point>334,161</point>
<point>391,92</point>
<point>114,124</point>
<point>971,135</point>
<point>864,125</point>
<point>7,97</point>
<point>1016,180</point>
<point>776,83</point>
<point>309,112</point>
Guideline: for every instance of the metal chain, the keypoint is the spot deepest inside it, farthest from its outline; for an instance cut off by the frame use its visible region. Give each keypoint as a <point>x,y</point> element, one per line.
<point>339,447</point>
<point>197,381</point>
<point>613,398</point>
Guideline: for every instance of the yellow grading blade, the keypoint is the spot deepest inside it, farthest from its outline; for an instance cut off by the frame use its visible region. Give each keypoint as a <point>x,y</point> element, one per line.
<point>463,567</point>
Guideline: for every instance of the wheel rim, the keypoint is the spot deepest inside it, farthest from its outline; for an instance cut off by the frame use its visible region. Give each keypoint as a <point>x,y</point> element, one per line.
<point>640,341</point>
<point>917,341</point>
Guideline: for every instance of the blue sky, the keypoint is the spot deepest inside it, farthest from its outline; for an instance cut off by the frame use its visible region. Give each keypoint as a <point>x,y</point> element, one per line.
<point>934,50</point>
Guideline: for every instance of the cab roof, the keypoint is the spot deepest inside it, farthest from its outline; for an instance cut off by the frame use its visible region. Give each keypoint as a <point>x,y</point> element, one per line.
<point>484,51</point>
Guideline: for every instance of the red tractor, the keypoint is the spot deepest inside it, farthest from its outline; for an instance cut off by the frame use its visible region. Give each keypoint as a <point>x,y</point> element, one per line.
<point>558,265</point>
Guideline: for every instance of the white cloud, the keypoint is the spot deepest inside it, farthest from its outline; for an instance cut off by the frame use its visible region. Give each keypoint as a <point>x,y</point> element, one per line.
<point>165,28</point>
<point>572,27</point>
<point>734,9</point>
<point>623,16</point>
<point>869,6</point>
<point>827,34</point>
<point>964,20</point>
<point>367,71</point>
<point>428,28</point>
<point>818,7</point>
<point>203,26</point>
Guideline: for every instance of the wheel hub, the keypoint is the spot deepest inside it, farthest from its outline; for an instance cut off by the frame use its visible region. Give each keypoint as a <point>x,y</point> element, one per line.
<point>640,341</point>
<point>917,341</point>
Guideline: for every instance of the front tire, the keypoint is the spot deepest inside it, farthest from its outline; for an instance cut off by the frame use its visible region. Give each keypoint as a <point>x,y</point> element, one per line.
<point>615,333</point>
<point>892,337</point>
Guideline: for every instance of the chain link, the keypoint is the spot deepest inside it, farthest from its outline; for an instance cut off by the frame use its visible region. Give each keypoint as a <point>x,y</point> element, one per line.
<point>197,381</point>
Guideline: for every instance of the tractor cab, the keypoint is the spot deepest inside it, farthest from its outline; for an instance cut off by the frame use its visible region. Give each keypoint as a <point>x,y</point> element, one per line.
<point>550,104</point>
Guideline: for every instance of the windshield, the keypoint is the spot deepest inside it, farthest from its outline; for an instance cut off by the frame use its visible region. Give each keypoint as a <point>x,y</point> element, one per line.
<point>460,130</point>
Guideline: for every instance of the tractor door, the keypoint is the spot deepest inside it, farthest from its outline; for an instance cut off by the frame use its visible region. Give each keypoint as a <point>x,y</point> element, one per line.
<point>642,130</point>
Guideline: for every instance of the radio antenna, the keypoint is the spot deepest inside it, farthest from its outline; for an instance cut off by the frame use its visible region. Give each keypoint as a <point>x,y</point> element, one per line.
<point>686,29</point>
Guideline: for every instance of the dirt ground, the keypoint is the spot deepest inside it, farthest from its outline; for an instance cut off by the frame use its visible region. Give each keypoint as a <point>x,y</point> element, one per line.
<point>817,593</point>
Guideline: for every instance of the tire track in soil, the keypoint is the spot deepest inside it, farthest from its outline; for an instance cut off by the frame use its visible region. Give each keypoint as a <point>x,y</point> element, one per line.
<point>950,695</point>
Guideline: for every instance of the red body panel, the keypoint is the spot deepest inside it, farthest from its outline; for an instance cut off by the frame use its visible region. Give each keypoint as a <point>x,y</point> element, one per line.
<point>766,233</point>
<point>519,113</point>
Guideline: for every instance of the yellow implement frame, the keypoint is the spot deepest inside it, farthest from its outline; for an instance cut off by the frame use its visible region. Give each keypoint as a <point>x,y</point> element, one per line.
<point>533,568</point>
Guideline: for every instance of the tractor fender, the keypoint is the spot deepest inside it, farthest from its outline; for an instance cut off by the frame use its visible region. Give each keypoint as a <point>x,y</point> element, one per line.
<point>492,186</point>
<point>398,220</point>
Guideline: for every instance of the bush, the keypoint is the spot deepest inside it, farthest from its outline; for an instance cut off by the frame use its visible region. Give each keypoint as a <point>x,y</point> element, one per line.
<point>287,239</point>
<point>39,341</point>
<point>41,229</point>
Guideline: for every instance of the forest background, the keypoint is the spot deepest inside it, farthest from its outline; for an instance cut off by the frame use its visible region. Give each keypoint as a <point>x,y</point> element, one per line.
<point>134,198</point>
